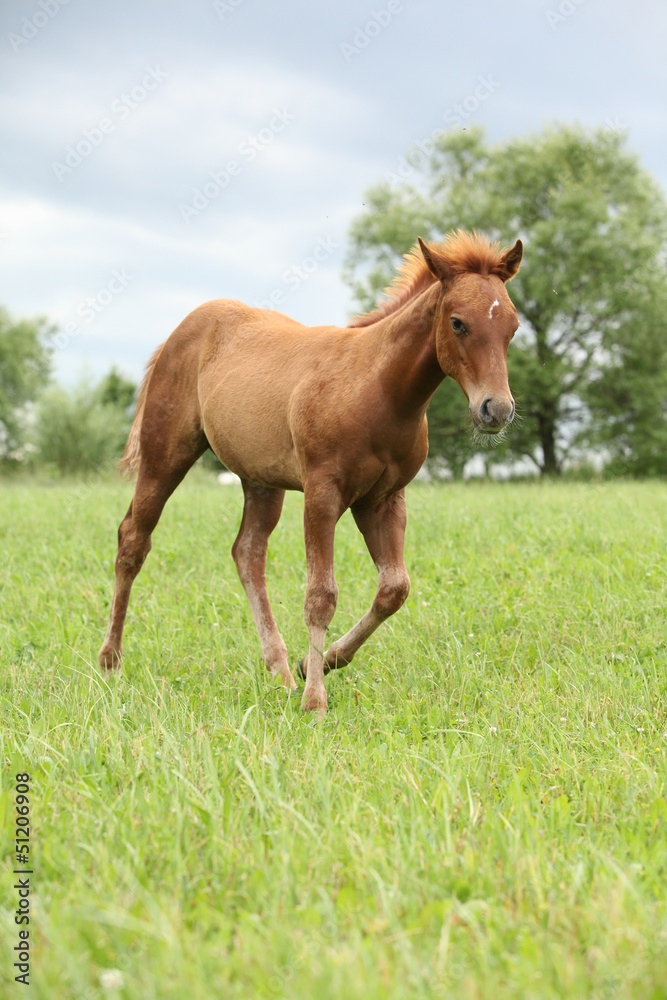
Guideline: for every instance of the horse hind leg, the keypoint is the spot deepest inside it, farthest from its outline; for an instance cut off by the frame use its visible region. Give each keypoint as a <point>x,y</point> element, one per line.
<point>261,512</point>
<point>156,481</point>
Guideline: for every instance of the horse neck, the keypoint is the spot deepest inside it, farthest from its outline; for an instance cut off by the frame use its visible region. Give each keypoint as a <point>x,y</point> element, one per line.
<point>406,358</point>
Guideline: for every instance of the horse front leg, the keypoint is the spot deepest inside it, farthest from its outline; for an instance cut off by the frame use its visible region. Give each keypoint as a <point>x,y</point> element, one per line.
<point>322,508</point>
<point>383,528</point>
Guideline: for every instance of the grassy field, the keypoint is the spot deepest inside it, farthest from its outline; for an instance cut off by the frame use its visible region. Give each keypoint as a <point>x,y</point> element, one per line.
<point>482,814</point>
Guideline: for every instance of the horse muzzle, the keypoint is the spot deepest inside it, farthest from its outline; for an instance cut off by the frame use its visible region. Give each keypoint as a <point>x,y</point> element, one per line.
<point>492,414</point>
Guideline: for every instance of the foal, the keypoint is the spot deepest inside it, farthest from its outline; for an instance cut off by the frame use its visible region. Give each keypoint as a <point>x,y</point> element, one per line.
<point>339,413</point>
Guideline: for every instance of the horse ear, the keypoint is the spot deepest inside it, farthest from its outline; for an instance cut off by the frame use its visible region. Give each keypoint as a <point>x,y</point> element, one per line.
<point>512,260</point>
<point>436,265</point>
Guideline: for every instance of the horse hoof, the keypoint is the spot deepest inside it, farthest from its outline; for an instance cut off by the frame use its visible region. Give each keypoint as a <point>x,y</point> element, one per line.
<point>110,659</point>
<point>285,678</point>
<point>314,701</point>
<point>301,669</point>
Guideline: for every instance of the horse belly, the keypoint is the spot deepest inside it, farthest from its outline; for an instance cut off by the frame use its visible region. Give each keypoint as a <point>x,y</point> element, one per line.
<point>248,432</point>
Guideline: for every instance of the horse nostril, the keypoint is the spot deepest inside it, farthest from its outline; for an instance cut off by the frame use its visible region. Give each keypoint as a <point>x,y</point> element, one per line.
<point>495,412</point>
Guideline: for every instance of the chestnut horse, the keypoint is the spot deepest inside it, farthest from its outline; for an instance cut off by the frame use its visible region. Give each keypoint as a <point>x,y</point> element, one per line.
<point>339,413</point>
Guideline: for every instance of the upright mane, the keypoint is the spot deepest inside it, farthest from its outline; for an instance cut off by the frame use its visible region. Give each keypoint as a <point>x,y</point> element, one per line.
<point>461,252</point>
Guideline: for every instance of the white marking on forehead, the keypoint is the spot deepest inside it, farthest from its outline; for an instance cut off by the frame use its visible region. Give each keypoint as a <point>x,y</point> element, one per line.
<point>492,307</point>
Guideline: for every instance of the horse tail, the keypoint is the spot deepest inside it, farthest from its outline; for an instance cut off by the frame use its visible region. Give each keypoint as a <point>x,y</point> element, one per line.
<point>129,463</point>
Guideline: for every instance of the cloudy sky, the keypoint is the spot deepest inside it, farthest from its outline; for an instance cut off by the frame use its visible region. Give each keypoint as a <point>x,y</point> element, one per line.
<point>158,154</point>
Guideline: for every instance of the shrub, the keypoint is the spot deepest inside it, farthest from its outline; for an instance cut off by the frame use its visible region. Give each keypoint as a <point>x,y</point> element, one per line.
<point>76,432</point>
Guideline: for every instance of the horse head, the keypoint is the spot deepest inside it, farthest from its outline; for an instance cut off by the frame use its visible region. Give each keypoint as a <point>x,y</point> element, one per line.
<point>475,322</point>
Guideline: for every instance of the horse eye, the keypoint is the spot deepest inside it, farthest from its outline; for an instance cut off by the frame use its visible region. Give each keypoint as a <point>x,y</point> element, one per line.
<point>457,325</point>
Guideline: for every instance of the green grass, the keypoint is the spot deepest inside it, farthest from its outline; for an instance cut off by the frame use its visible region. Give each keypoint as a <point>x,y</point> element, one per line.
<point>482,813</point>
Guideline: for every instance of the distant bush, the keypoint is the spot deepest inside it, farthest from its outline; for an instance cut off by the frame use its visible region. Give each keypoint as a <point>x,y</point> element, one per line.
<point>79,431</point>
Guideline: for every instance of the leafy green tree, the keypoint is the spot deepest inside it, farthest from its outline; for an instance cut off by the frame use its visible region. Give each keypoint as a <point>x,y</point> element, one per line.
<point>24,370</point>
<point>83,430</point>
<point>594,225</point>
<point>629,398</point>
<point>117,390</point>
<point>449,425</point>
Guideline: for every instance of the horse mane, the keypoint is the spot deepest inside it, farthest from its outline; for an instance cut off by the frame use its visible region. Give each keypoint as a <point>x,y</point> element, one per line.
<point>460,252</point>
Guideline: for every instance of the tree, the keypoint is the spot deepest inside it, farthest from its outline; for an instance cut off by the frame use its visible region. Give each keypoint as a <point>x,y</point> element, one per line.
<point>24,370</point>
<point>85,429</point>
<point>449,425</point>
<point>117,390</point>
<point>629,398</point>
<point>594,225</point>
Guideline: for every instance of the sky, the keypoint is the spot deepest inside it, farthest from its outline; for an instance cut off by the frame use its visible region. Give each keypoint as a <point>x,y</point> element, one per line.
<point>154,155</point>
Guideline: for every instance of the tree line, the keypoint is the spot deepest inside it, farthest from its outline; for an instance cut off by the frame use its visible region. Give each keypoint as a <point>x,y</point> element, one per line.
<point>588,366</point>
<point>44,425</point>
